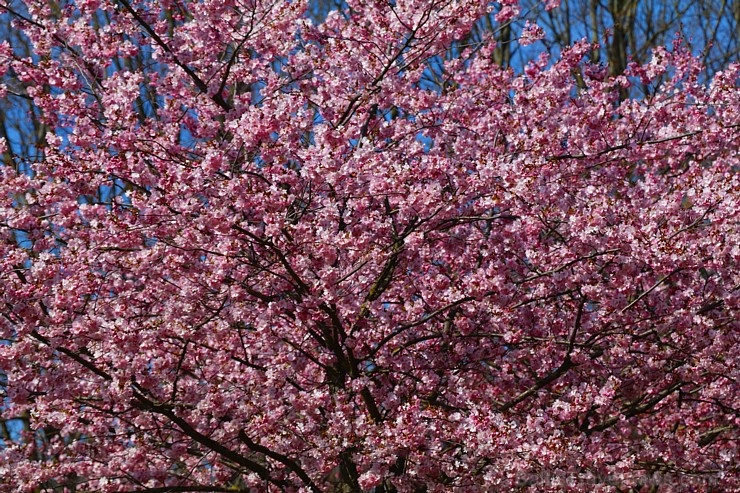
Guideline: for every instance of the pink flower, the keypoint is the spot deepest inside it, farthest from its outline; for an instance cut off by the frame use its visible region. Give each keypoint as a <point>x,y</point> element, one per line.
<point>531,34</point>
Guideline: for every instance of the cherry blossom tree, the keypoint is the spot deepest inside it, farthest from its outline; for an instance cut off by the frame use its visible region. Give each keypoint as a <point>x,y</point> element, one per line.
<point>261,253</point>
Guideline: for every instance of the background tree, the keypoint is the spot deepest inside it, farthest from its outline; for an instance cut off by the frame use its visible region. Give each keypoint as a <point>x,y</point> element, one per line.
<point>24,132</point>
<point>628,30</point>
<point>261,253</point>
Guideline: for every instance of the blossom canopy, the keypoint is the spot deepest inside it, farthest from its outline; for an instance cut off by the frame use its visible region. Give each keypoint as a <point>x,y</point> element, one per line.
<point>257,252</point>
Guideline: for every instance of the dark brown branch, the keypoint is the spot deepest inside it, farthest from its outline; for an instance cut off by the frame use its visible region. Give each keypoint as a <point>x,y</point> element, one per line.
<point>539,384</point>
<point>146,404</point>
<point>372,407</point>
<point>71,354</point>
<point>566,365</point>
<point>202,87</point>
<point>302,286</point>
<point>634,409</point>
<point>286,461</point>
<point>180,361</point>
<point>188,489</point>
<point>630,144</point>
<point>566,265</point>
<point>650,290</point>
<point>418,322</point>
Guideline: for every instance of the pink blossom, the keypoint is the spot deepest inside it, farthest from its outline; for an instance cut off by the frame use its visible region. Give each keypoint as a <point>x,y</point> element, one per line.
<point>531,34</point>
<point>258,253</point>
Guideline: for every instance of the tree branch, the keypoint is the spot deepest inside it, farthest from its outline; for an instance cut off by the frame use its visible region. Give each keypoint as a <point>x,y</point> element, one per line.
<point>283,459</point>
<point>146,404</point>
<point>202,86</point>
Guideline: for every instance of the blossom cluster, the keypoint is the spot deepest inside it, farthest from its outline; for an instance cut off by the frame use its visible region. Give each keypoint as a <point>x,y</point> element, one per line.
<point>265,254</point>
